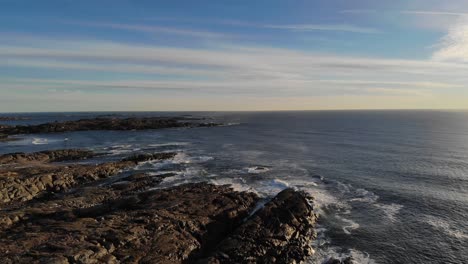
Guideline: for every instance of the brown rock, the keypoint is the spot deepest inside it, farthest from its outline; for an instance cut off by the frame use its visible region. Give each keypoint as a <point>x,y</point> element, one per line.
<point>281,232</point>
<point>163,226</point>
<point>46,156</point>
<point>28,182</point>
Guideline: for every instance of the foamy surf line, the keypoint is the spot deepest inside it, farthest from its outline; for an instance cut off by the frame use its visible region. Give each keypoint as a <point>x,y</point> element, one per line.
<point>40,141</point>
<point>192,170</point>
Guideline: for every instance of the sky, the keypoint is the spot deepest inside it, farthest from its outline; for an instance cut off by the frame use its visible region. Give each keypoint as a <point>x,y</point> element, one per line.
<point>244,55</point>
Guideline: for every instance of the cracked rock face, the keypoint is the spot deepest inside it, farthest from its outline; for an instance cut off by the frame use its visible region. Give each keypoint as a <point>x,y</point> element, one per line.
<point>33,177</point>
<point>280,232</point>
<point>163,226</point>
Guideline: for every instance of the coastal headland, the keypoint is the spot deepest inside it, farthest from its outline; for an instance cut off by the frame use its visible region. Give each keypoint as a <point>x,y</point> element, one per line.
<point>58,208</point>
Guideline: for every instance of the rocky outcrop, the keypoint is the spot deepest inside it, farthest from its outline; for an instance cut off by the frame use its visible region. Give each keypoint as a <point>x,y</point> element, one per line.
<point>46,156</point>
<point>161,226</point>
<point>13,118</point>
<point>77,213</point>
<point>280,232</point>
<point>28,182</point>
<point>102,124</point>
<point>4,137</point>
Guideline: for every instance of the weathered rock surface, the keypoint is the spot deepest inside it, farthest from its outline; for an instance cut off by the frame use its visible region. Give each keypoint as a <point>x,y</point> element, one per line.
<point>102,124</point>
<point>56,213</point>
<point>161,226</point>
<point>280,232</point>
<point>46,156</point>
<point>28,182</point>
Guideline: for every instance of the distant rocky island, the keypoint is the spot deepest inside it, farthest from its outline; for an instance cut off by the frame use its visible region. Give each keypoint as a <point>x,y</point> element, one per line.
<point>103,123</point>
<point>57,210</point>
<point>13,118</point>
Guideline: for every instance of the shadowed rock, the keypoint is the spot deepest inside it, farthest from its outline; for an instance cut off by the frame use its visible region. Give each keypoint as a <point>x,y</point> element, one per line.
<point>281,232</point>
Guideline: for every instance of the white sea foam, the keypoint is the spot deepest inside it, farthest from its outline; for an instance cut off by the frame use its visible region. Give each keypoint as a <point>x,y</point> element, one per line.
<point>359,195</point>
<point>121,146</point>
<point>390,210</point>
<point>321,238</point>
<point>269,188</point>
<point>168,144</point>
<point>444,226</point>
<point>349,224</point>
<point>257,169</point>
<point>120,149</point>
<point>40,141</point>
<point>231,124</point>
<point>237,184</point>
<point>323,254</point>
<point>189,175</point>
<point>153,164</point>
<point>183,158</point>
<point>363,195</point>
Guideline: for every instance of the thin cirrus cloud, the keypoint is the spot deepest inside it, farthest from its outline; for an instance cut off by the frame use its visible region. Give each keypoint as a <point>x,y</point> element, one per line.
<point>155,29</point>
<point>358,11</point>
<point>433,13</point>
<point>305,27</point>
<point>319,27</point>
<point>207,34</point>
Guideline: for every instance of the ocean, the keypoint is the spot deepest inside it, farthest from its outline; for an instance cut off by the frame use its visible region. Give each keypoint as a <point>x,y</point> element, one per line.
<point>390,186</point>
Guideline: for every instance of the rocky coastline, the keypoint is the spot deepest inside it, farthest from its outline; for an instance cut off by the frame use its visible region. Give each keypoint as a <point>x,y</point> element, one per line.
<point>103,123</point>
<point>60,206</point>
<point>13,118</point>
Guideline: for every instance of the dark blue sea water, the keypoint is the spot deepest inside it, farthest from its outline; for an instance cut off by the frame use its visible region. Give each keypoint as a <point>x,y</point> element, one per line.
<point>391,186</point>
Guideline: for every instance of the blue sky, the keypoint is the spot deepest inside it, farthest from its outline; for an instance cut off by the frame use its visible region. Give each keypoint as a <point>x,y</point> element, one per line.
<point>232,55</point>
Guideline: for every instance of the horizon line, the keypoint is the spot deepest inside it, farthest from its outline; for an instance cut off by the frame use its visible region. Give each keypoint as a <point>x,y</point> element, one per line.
<point>245,111</point>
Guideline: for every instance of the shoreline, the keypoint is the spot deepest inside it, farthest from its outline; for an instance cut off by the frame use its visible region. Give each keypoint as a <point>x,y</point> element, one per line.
<point>74,213</point>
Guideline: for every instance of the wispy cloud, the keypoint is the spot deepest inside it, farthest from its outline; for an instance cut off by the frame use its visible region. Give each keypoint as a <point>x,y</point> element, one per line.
<point>358,11</point>
<point>154,29</point>
<point>227,70</point>
<point>304,27</point>
<point>433,13</point>
<point>246,24</point>
<point>318,27</point>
